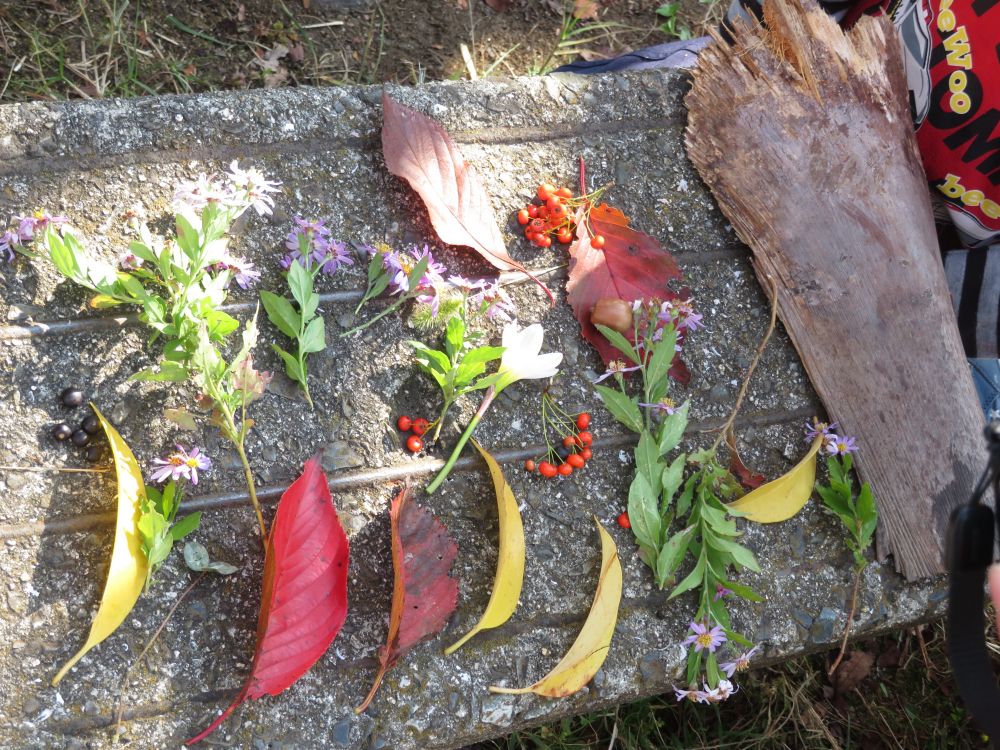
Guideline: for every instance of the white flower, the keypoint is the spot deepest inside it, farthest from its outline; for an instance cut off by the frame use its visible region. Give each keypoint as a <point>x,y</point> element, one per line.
<point>253,188</point>
<point>521,359</point>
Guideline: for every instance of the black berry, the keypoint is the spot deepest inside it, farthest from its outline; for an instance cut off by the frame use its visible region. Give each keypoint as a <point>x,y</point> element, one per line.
<point>90,425</point>
<point>95,453</point>
<point>80,438</point>
<point>62,431</point>
<point>72,397</point>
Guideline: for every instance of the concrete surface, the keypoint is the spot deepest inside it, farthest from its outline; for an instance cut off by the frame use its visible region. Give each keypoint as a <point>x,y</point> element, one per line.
<point>95,161</point>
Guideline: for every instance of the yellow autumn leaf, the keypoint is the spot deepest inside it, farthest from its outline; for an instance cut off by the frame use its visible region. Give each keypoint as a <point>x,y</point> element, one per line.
<point>127,574</point>
<point>510,556</point>
<point>591,646</point>
<point>782,498</point>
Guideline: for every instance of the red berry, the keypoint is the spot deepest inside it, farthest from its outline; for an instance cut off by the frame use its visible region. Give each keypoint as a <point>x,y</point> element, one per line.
<point>597,241</point>
<point>583,420</point>
<point>575,460</point>
<point>545,191</point>
<point>553,202</point>
<point>557,212</point>
<point>404,423</point>
<point>529,465</point>
<point>420,426</point>
<point>565,470</point>
<point>532,210</point>
<point>537,225</point>
<point>565,237</point>
<point>569,441</point>
<point>624,522</point>
<point>523,217</point>
<point>564,192</point>
<point>414,444</point>
<point>545,242</point>
<point>585,438</point>
<point>546,469</point>
<point>587,454</point>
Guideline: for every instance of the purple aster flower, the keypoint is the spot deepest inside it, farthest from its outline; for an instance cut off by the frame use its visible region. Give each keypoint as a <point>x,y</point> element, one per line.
<point>494,302</point>
<point>616,367</point>
<point>666,405</point>
<point>253,189</point>
<point>29,227</point>
<point>181,464</point>
<point>721,592</point>
<point>738,664</point>
<point>7,242</point>
<point>467,285</point>
<point>129,261</point>
<point>695,696</point>
<point>839,445</point>
<point>400,265</point>
<point>816,428</point>
<point>306,228</point>
<point>243,271</point>
<point>332,255</point>
<point>704,637</point>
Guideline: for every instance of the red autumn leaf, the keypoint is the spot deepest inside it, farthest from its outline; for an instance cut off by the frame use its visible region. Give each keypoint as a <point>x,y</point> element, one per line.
<point>419,150</point>
<point>630,266</point>
<point>304,599</point>
<point>749,479</point>
<point>423,594</point>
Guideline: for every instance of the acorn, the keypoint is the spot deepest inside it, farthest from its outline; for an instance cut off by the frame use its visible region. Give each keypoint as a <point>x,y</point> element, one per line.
<point>612,313</point>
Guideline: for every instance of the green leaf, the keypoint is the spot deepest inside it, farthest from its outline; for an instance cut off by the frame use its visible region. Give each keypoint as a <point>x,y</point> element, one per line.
<point>834,500</point>
<point>187,237</point>
<point>414,277</point>
<point>622,408</point>
<point>712,669</point>
<point>197,559</point>
<point>672,429</point>
<point>670,481</point>
<point>744,592</point>
<point>300,281</point>
<point>160,551</point>
<point>868,514</point>
<point>454,336</point>
<point>717,520</point>
<point>647,461</point>
<point>220,324</point>
<point>684,501</point>
<point>167,372</point>
<point>618,341</point>
<point>693,578</point>
<point>292,368</point>
<point>142,251</point>
<point>672,554</point>
<point>61,254</point>
<point>314,338</point>
<point>663,357</point>
<point>643,512</point>
<point>483,354</point>
<point>739,553</point>
<point>280,312</point>
<point>185,526</point>
<point>167,503</point>
<point>311,306</point>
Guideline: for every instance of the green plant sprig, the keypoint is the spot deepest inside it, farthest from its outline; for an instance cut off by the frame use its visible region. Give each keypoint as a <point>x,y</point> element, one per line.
<point>378,282</point>
<point>158,530</point>
<point>660,497</point>
<point>458,369</point>
<point>304,326</point>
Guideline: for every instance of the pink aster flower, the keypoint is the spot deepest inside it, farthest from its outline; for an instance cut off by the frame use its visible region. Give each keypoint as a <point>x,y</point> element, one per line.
<point>8,241</point>
<point>739,664</point>
<point>243,271</point>
<point>839,445</point>
<point>720,692</point>
<point>494,302</point>
<point>704,637</point>
<point>253,189</point>
<point>721,592</point>
<point>199,192</point>
<point>181,464</point>
<point>666,405</point>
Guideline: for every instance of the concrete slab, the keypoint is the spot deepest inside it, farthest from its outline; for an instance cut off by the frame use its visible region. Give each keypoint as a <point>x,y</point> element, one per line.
<point>95,161</point>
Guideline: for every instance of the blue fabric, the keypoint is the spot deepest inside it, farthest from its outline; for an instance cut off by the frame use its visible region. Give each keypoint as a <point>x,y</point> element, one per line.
<point>986,376</point>
<point>679,54</point>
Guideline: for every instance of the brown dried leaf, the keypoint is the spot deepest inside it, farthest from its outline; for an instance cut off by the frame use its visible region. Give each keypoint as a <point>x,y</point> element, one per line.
<point>586,9</point>
<point>852,671</point>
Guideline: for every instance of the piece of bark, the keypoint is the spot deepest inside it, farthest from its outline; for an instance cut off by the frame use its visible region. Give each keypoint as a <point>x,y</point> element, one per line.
<point>803,133</point>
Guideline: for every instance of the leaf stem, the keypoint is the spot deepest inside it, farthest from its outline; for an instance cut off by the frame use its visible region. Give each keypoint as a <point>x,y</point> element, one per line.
<point>248,473</point>
<point>443,474</point>
<point>744,387</point>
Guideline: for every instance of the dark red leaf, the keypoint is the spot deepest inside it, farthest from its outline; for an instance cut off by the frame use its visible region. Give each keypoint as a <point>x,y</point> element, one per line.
<point>500,6</point>
<point>419,150</point>
<point>630,266</point>
<point>750,479</point>
<point>423,594</point>
<point>304,599</point>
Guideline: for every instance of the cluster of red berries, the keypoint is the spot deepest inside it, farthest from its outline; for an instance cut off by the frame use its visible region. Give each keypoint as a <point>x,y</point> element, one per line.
<point>418,426</point>
<point>572,454</point>
<point>551,217</point>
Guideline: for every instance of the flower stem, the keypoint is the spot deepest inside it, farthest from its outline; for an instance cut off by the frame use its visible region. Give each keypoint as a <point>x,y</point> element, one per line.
<point>253,491</point>
<point>381,315</point>
<point>443,474</point>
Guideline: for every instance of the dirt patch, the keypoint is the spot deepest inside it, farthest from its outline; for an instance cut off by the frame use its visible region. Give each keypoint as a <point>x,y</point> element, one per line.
<point>56,49</point>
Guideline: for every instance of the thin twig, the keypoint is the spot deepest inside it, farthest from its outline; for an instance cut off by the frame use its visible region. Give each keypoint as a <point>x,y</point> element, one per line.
<point>97,470</point>
<point>753,366</point>
<point>847,626</point>
<point>124,684</point>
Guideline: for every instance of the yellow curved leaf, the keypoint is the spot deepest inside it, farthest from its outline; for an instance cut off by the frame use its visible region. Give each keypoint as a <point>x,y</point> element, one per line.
<point>782,498</point>
<point>510,556</point>
<point>127,573</point>
<point>591,646</point>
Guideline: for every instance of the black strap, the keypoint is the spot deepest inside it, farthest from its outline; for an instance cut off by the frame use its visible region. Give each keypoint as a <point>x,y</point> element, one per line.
<point>970,661</point>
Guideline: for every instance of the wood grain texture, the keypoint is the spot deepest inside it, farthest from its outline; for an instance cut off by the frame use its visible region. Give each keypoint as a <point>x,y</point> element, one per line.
<point>803,133</point>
